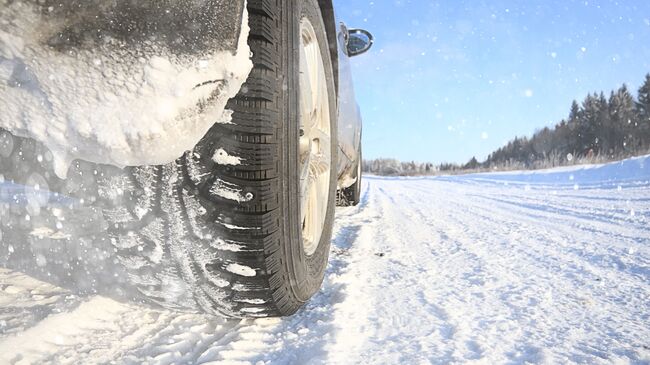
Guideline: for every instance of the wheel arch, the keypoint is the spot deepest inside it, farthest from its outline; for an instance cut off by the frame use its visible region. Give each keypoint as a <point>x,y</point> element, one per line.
<point>327,11</point>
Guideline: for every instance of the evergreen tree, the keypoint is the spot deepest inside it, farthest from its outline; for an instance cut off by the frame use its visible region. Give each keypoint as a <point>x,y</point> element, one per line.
<point>472,164</point>
<point>542,143</point>
<point>588,126</point>
<point>613,128</point>
<point>643,112</point>
<point>574,114</point>
<point>602,125</point>
<point>623,121</point>
<point>563,142</point>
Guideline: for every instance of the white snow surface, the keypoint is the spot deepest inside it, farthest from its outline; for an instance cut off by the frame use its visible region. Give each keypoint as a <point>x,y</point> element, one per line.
<point>512,268</point>
<point>111,107</point>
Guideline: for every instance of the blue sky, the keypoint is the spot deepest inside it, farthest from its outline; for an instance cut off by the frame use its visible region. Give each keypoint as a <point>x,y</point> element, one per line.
<point>448,80</point>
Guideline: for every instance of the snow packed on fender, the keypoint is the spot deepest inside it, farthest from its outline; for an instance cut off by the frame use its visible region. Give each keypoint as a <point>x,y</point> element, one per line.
<point>119,82</point>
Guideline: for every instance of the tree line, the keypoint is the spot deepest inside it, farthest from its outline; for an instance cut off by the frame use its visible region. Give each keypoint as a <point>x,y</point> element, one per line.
<point>601,128</point>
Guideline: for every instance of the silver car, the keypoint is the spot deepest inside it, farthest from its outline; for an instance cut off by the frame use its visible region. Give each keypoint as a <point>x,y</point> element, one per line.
<point>236,221</point>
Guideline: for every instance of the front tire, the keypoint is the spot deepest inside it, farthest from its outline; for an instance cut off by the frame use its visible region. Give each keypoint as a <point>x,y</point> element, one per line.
<point>255,199</point>
<point>284,131</point>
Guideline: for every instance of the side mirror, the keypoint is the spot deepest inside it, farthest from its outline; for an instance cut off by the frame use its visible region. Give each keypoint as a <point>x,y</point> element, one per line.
<point>359,41</point>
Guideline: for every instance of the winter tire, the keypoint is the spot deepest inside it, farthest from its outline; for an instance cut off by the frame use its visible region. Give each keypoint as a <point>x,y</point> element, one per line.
<point>239,226</point>
<point>352,193</point>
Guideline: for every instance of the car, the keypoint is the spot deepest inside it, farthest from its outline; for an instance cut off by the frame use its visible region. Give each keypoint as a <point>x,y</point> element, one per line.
<point>231,211</point>
<point>198,179</point>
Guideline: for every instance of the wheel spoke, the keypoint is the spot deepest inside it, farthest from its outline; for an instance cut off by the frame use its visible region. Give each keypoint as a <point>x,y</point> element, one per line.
<point>304,187</point>
<point>306,94</point>
<point>316,80</point>
<point>319,165</point>
<point>314,217</point>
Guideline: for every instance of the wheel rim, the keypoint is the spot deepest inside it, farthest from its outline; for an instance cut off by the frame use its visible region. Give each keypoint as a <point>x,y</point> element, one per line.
<point>315,139</point>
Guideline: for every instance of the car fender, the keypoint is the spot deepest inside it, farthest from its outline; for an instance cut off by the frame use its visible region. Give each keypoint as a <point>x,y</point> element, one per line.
<point>349,116</point>
<point>184,27</point>
<point>76,74</point>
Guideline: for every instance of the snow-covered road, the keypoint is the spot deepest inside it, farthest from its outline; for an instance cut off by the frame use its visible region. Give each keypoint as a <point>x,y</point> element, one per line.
<point>503,268</point>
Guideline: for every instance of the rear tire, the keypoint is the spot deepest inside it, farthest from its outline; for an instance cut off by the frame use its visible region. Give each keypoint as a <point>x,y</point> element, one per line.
<point>204,233</point>
<point>352,193</point>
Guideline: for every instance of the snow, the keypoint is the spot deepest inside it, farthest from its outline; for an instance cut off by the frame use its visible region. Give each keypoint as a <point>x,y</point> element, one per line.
<point>630,171</point>
<point>111,107</point>
<point>223,158</point>
<point>230,191</point>
<point>512,267</point>
<point>241,270</point>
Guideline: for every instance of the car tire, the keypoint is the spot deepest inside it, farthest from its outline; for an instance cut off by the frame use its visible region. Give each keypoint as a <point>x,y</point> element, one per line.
<point>352,194</point>
<point>220,230</point>
<point>235,229</point>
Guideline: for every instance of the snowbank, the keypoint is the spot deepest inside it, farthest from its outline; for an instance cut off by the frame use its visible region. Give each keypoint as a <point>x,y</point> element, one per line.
<point>113,107</point>
<point>635,169</point>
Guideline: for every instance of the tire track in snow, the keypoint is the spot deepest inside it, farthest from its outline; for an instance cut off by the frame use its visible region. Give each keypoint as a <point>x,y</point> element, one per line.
<point>397,283</point>
<point>489,216</point>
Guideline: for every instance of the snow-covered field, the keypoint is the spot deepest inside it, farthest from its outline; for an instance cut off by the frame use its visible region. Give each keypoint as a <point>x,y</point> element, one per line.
<point>546,267</point>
